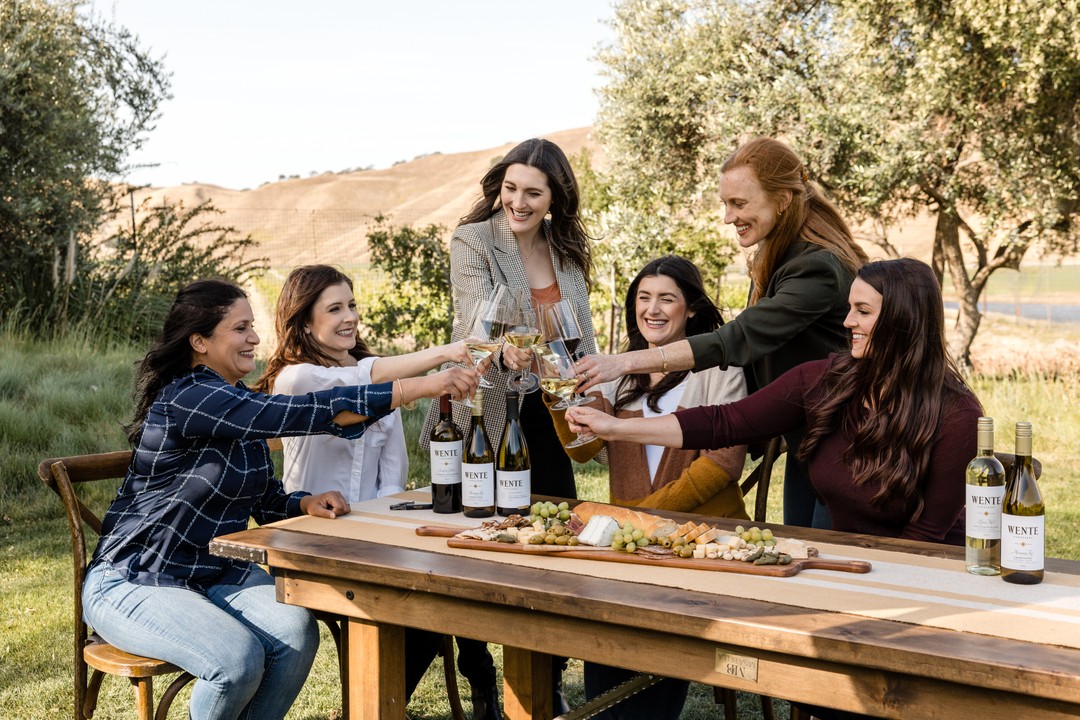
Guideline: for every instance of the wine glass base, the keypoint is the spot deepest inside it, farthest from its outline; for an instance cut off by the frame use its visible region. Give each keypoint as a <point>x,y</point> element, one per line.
<point>485,383</point>
<point>524,385</point>
<point>579,441</point>
<point>580,400</point>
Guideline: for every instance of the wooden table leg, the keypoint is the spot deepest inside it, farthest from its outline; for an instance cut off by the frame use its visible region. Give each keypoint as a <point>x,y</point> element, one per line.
<point>526,684</point>
<point>376,671</point>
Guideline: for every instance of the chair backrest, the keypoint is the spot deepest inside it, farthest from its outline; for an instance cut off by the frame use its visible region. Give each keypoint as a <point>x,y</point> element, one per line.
<point>761,476</point>
<point>1007,461</point>
<point>60,475</point>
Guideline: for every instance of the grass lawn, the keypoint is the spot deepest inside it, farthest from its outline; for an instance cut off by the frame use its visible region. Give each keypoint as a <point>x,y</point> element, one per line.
<point>64,398</point>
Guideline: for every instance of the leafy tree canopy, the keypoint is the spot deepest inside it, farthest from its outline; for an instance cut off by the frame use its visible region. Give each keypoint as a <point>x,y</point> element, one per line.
<point>968,110</point>
<point>77,95</point>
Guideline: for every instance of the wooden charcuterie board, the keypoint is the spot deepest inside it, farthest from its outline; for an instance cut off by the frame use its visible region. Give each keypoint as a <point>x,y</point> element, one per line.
<point>586,552</point>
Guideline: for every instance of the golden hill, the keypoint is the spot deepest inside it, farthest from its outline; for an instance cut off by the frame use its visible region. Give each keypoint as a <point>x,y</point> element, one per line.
<point>325,218</point>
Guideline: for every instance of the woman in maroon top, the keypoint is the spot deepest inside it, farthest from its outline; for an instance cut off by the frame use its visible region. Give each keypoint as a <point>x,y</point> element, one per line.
<point>890,424</point>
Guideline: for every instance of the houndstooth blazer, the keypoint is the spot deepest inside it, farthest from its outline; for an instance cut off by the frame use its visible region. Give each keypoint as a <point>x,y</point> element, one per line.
<point>482,254</point>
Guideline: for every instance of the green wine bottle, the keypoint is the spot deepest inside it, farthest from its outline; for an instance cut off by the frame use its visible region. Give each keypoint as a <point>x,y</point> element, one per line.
<point>1023,518</point>
<point>513,476</point>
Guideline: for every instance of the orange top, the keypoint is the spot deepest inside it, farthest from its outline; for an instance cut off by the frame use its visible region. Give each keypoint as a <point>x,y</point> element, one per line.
<point>543,296</point>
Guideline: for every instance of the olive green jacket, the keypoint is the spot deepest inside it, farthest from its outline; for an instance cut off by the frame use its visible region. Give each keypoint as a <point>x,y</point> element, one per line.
<point>799,318</point>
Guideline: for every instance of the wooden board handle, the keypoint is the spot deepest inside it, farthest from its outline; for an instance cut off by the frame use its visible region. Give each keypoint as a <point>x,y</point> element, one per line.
<point>437,531</point>
<point>854,566</point>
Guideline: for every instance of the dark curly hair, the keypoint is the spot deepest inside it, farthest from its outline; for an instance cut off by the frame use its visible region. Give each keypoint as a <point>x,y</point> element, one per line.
<point>568,235</point>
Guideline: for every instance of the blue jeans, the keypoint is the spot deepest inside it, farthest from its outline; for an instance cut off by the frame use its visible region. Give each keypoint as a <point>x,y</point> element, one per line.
<point>250,654</point>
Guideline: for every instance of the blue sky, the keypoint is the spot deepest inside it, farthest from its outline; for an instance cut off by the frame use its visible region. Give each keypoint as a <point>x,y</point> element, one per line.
<point>264,88</point>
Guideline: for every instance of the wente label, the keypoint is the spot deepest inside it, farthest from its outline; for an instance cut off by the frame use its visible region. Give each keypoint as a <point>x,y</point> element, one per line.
<point>446,462</point>
<point>1022,542</point>
<point>513,489</point>
<point>477,484</point>
<point>984,511</point>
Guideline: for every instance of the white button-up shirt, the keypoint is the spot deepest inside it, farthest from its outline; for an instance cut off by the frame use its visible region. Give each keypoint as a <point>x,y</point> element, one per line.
<point>375,465</point>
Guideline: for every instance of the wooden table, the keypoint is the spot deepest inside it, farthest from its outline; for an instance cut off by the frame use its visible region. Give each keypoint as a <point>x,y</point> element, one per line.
<point>773,644</point>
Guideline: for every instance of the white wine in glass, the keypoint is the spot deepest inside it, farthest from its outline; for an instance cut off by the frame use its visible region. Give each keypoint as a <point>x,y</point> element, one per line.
<point>522,333</point>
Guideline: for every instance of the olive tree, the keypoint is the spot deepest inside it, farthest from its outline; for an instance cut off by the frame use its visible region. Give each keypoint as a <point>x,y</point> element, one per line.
<point>77,95</point>
<point>966,110</point>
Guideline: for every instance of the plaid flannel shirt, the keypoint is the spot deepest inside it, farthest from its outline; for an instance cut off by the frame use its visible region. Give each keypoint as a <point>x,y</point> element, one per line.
<point>201,468</point>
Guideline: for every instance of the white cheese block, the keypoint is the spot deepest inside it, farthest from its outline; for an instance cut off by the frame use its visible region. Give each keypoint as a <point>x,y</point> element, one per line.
<point>599,531</point>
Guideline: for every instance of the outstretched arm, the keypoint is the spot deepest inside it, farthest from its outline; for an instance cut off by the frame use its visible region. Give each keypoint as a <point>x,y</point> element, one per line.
<point>416,363</point>
<point>664,430</point>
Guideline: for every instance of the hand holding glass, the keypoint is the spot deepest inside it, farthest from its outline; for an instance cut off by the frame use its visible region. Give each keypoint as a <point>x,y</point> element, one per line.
<point>486,329</point>
<point>558,378</point>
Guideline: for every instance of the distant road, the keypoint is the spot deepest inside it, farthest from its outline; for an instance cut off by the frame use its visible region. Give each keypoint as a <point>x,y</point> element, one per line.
<point>1030,311</point>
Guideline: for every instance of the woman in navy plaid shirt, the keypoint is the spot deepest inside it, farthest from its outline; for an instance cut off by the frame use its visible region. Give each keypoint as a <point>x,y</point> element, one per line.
<point>201,468</point>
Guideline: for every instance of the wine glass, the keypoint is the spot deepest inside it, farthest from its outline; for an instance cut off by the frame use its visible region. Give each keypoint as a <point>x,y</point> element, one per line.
<point>559,322</point>
<point>558,378</point>
<point>557,374</point>
<point>485,332</point>
<point>523,332</point>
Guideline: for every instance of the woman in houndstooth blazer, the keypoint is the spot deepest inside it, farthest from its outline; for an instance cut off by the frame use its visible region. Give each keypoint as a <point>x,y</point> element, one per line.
<point>507,239</point>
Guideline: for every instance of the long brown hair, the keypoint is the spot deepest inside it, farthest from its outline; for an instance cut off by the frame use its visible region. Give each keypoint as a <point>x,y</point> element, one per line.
<point>706,318</point>
<point>568,235</point>
<point>891,400</point>
<point>294,346</point>
<point>809,216</point>
<point>197,310</point>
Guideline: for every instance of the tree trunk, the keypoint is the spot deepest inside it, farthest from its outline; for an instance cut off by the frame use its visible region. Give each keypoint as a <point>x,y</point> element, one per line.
<point>947,240</point>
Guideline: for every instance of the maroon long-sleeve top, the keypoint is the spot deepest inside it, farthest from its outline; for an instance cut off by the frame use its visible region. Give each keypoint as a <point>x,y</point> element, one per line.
<point>781,406</point>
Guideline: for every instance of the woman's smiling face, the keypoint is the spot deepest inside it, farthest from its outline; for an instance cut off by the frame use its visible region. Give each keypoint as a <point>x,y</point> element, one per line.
<point>865,306</point>
<point>525,197</point>
<point>747,206</point>
<point>230,349</point>
<point>661,310</point>
<point>333,321</point>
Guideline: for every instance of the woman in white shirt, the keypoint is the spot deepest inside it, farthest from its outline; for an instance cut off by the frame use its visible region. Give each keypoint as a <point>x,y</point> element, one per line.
<point>318,348</point>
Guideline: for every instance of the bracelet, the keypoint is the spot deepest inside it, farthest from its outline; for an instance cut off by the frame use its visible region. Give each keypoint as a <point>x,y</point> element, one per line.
<point>663,356</point>
<point>401,396</point>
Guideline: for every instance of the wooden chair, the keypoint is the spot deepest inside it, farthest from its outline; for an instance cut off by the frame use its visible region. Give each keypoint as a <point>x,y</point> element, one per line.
<point>91,652</point>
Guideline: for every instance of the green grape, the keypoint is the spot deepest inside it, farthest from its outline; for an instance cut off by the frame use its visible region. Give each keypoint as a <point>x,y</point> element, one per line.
<point>739,530</point>
<point>564,515</point>
<point>535,509</point>
<point>766,534</point>
<point>544,513</point>
<point>643,542</point>
<point>638,534</point>
<point>617,544</point>
<point>564,506</point>
<point>630,547</point>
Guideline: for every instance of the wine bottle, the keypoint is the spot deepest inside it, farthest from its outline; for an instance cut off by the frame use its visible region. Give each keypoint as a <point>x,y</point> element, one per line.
<point>513,476</point>
<point>985,489</point>
<point>1023,518</point>
<point>445,461</point>
<point>478,467</point>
